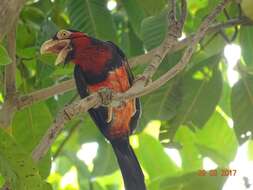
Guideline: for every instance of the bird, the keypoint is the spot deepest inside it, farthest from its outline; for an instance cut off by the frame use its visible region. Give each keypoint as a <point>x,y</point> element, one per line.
<point>100,65</point>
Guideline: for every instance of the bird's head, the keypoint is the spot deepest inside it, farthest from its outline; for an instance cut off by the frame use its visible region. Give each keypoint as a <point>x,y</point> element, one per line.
<point>64,43</point>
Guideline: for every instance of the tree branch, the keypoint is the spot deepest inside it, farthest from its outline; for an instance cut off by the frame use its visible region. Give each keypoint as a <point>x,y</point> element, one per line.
<point>45,93</point>
<point>63,117</point>
<point>10,69</point>
<point>96,99</point>
<point>7,112</point>
<point>9,11</point>
<point>8,109</point>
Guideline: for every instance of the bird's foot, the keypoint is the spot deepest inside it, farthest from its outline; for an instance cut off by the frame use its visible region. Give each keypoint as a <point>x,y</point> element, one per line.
<point>106,96</point>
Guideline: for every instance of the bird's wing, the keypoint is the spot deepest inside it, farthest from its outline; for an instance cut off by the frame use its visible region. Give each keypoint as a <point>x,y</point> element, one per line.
<point>99,115</point>
<point>81,84</point>
<point>137,115</point>
<point>125,62</point>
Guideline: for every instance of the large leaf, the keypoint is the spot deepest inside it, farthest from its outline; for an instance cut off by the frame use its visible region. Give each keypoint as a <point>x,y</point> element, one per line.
<point>225,101</point>
<point>135,14</point>
<point>217,140</point>
<point>17,167</point>
<point>167,106</point>
<point>152,7</point>
<point>242,106</point>
<point>246,43</point>
<point>4,57</point>
<point>29,125</point>
<point>92,17</point>
<point>130,43</point>
<point>191,161</point>
<point>169,95</point>
<point>33,16</point>
<point>148,150</point>
<point>25,37</point>
<point>153,30</point>
<point>105,162</point>
<point>202,82</point>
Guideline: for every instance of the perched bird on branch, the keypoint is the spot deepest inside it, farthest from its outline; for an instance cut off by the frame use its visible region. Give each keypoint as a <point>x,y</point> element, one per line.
<point>101,65</point>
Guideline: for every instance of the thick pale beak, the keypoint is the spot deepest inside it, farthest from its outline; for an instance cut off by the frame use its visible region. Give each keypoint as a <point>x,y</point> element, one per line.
<point>59,47</point>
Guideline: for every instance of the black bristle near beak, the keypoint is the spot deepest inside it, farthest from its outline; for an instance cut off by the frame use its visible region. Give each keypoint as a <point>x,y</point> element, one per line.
<point>55,37</point>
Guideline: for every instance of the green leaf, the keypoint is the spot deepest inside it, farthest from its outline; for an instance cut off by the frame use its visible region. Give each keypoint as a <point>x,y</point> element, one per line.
<point>47,31</point>
<point>33,16</point>
<point>2,181</point>
<point>44,166</point>
<point>225,101</point>
<point>152,7</point>
<point>105,162</point>
<point>29,125</point>
<point>25,37</point>
<point>135,14</point>
<point>169,95</point>
<point>154,29</point>
<point>246,43</point>
<point>4,57</point>
<point>250,150</point>
<point>191,161</point>
<point>195,5</point>
<point>167,106</point>
<point>242,106</point>
<point>212,45</point>
<point>16,166</point>
<point>217,140</point>
<point>130,43</point>
<point>148,149</point>
<point>93,18</point>
<point>203,81</point>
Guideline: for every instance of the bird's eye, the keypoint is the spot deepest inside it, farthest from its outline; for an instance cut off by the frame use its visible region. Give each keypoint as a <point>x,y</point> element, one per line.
<point>63,34</point>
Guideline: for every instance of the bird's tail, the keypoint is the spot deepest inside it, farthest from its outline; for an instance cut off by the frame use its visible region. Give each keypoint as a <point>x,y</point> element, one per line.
<point>129,165</point>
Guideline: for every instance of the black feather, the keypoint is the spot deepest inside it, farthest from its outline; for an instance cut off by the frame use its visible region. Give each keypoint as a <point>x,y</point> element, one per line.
<point>129,165</point>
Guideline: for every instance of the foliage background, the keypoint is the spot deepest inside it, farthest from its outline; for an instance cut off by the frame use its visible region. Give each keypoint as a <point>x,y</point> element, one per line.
<point>195,108</point>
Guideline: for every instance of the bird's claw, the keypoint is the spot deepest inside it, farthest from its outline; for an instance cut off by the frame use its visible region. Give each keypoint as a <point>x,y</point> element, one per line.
<point>109,114</point>
<point>106,96</point>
